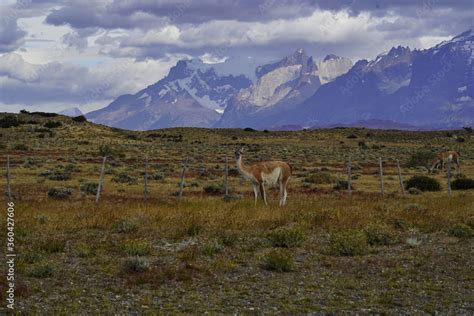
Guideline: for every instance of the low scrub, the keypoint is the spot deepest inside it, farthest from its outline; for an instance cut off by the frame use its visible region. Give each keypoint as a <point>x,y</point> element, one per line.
<point>286,237</point>
<point>319,177</point>
<point>461,231</point>
<point>125,226</point>
<point>462,184</point>
<point>136,264</point>
<point>423,183</point>
<point>137,248</point>
<point>52,124</point>
<point>348,243</point>
<point>342,185</point>
<point>41,271</point>
<point>279,260</point>
<point>124,177</point>
<point>380,235</point>
<point>421,158</point>
<point>60,193</point>
<point>89,188</point>
<point>214,189</point>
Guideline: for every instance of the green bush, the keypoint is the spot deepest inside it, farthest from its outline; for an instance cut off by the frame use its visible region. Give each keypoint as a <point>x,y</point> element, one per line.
<point>342,185</point>
<point>461,231</point>
<point>214,189</point>
<point>380,234</point>
<point>21,147</point>
<point>462,184</point>
<point>125,226</point>
<point>59,193</point>
<point>279,260</point>
<point>124,177</point>
<point>58,175</point>
<point>89,188</point>
<point>52,245</point>
<point>423,183</point>
<point>136,264</point>
<point>212,247</point>
<point>286,237</point>
<point>79,119</point>
<point>348,243</point>
<point>52,124</point>
<point>8,121</point>
<point>421,158</point>
<point>137,248</point>
<point>319,177</point>
<point>41,271</point>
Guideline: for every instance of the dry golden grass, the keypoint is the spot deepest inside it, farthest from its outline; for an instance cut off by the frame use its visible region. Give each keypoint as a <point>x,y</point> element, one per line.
<point>204,254</point>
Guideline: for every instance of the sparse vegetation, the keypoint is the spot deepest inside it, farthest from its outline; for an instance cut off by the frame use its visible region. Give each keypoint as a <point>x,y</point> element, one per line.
<point>206,255</point>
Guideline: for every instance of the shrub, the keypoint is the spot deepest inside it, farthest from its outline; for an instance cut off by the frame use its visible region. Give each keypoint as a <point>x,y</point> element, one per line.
<point>249,129</point>
<point>319,177</point>
<point>89,188</point>
<point>215,189</point>
<point>80,118</point>
<point>342,185</point>
<point>212,247</point>
<point>462,184</point>
<point>461,231</point>
<point>52,124</point>
<point>45,114</point>
<point>58,175</point>
<point>9,121</point>
<point>193,229</point>
<point>286,237</point>
<point>124,177</point>
<point>136,264</point>
<point>348,243</point>
<point>423,183</point>
<point>52,245</point>
<point>84,251</point>
<point>380,234</point>
<point>279,260</point>
<point>41,271</point>
<point>59,193</point>
<point>421,158</point>
<point>21,147</point>
<point>125,226</point>
<point>352,136</point>
<point>137,248</point>
<point>156,176</point>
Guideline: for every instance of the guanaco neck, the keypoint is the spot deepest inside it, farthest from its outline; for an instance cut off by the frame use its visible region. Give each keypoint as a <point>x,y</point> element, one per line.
<point>243,169</point>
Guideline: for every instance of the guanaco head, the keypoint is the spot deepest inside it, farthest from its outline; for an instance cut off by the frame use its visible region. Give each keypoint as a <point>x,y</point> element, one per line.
<point>238,153</point>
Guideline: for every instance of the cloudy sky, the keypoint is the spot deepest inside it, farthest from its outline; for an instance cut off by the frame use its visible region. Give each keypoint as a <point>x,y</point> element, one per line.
<point>56,54</point>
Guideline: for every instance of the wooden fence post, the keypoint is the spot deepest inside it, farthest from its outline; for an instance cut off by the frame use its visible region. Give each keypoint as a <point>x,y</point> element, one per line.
<point>449,177</point>
<point>181,183</point>
<point>349,177</point>
<point>381,177</point>
<point>226,175</point>
<point>146,178</point>
<point>402,187</point>
<point>101,180</point>
<point>9,189</point>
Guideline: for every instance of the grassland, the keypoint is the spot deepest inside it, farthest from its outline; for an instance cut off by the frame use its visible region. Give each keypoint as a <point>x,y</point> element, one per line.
<point>323,252</point>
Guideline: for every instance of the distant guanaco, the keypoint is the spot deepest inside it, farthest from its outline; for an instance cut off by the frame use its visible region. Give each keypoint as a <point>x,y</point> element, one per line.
<point>271,173</point>
<point>443,157</point>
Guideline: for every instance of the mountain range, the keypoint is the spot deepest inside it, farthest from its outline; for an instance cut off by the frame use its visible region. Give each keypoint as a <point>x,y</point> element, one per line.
<point>430,89</point>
